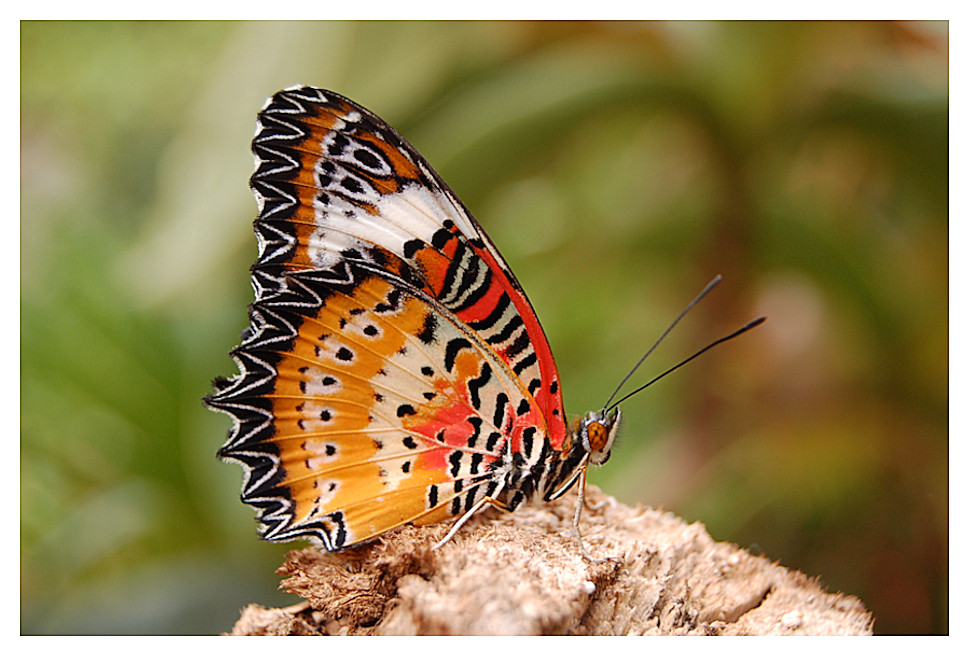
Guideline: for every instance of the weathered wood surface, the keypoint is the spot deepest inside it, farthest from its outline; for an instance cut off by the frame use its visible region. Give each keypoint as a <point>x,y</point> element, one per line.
<point>521,573</point>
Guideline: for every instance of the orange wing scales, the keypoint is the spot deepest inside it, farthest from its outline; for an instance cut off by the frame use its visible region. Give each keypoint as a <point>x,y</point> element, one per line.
<point>393,371</point>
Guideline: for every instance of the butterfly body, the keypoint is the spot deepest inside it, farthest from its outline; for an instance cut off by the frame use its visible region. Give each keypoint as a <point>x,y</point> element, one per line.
<point>393,370</point>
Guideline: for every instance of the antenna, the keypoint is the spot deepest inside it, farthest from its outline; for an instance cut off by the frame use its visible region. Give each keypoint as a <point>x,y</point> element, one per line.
<point>752,324</point>
<point>706,290</point>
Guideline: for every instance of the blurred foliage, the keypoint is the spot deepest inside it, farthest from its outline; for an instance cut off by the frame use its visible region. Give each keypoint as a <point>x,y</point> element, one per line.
<point>618,166</point>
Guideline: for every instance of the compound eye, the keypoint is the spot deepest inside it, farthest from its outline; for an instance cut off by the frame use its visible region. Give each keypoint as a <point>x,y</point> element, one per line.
<point>598,436</point>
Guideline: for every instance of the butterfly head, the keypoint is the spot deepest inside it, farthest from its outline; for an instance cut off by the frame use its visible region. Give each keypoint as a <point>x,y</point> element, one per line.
<point>596,432</point>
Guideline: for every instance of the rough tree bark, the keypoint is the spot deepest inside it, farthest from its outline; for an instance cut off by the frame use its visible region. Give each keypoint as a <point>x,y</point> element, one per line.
<point>522,573</point>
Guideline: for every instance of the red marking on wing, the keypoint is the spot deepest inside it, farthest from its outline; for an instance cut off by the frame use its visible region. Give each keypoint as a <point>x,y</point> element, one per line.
<point>546,400</point>
<point>453,421</point>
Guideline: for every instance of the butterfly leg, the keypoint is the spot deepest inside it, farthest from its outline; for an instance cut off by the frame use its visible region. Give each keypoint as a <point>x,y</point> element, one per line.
<point>575,520</point>
<point>466,516</point>
<point>578,513</point>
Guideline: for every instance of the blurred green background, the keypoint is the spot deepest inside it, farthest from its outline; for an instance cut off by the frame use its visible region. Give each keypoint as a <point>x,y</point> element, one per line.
<point>619,167</point>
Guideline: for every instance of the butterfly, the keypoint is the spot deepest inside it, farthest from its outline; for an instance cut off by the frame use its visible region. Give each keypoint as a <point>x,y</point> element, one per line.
<point>393,371</point>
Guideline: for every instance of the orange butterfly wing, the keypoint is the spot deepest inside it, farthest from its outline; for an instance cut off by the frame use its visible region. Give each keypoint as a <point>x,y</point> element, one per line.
<point>393,371</point>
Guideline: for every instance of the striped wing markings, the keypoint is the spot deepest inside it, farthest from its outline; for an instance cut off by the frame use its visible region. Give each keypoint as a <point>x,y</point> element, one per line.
<point>388,515</point>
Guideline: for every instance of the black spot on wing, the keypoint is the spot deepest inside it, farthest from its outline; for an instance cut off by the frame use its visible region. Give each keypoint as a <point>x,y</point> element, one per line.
<point>411,247</point>
<point>525,363</point>
<point>344,354</point>
<point>500,402</point>
<point>476,459</point>
<point>520,344</point>
<point>469,499</point>
<point>493,438</point>
<point>475,385</point>
<point>451,352</point>
<point>507,331</point>
<point>440,238</point>
<point>392,303</point>
<point>528,440</point>
<point>476,423</point>
<point>493,316</point>
<point>427,331</point>
<point>455,460</point>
